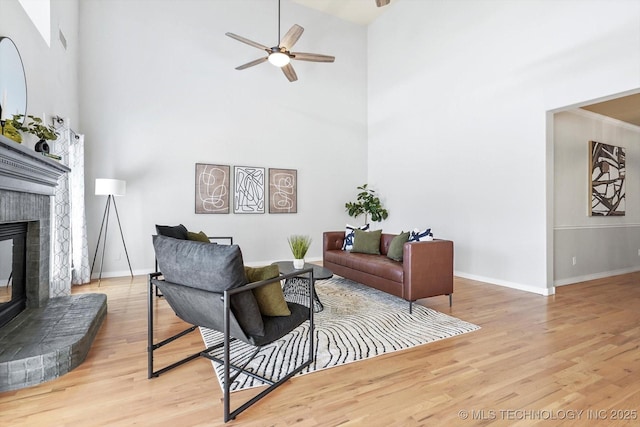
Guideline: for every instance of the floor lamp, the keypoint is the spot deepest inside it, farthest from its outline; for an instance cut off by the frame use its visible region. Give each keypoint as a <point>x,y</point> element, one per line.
<point>109,188</point>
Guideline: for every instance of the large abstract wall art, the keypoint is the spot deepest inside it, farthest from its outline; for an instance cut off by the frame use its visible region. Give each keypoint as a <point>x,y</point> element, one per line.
<point>212,188</point>
<point>283,191</point>
<point>248,194</point>
<point>608,170</point>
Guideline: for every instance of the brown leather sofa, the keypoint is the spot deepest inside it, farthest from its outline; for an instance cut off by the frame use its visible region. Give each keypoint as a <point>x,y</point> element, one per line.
<point>425,271</point>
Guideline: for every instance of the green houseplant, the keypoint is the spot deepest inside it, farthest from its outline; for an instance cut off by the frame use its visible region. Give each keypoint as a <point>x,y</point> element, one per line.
<point>299,245</point>
<point>37,128</point>
<point>10,129</point>
<point>367,203</point>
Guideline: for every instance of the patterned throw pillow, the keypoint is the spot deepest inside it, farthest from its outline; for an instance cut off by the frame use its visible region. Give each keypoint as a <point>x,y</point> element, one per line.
<point>420,236</point>
<point>350,235</point>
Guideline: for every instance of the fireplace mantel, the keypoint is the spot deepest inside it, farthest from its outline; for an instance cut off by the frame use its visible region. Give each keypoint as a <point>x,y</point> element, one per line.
<point>24,170</point>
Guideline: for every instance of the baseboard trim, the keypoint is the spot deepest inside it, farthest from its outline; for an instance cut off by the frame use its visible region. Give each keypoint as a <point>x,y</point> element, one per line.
<point>595,276</point>
<point>527,288</point>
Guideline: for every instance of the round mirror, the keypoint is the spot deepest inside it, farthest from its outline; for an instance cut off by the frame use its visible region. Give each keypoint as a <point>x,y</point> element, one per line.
<point>13,84</point>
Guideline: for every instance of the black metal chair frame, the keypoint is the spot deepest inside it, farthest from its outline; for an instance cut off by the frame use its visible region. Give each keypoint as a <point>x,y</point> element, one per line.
<point>226,361</point>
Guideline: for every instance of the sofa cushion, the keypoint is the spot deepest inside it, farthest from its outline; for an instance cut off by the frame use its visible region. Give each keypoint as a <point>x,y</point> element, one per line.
<point>377,265</point>
<point>349,235</point>
<point>213,268</point>
<point>270,297</point>
<point>396,247</point>
<point>367,242</point>
<point>177,231</point>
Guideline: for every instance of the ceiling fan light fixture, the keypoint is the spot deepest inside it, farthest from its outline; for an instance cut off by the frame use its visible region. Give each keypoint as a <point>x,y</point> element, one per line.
<point>279,59</point>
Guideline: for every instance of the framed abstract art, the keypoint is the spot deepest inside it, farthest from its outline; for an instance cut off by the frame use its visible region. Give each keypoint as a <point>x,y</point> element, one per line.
<point>283,190</point>
<point>212,188</point>
<point>607,179</point>
<point>248,194</point>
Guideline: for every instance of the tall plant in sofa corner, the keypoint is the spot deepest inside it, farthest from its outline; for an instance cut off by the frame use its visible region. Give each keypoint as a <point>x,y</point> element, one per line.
<point>367,203</point>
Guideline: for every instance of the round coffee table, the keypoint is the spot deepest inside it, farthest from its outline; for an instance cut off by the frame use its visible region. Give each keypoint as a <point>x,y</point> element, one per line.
<point>296,288</point>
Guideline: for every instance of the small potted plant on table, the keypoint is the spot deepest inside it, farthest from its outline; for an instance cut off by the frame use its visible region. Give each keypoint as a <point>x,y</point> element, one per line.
<point>299,245</point>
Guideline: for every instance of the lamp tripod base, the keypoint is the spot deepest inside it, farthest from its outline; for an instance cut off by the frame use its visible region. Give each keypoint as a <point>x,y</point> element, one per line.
<point>105,226</point>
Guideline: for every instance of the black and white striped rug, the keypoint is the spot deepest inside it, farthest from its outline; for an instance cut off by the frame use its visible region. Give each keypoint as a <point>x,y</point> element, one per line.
<point>357,323</point>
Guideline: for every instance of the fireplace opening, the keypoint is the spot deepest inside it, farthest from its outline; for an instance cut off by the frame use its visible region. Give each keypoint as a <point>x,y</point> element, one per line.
<point>13,254</point>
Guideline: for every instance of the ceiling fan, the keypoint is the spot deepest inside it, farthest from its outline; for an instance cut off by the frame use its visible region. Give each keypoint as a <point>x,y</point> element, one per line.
<point>281,55</point>
<point>381,3</point>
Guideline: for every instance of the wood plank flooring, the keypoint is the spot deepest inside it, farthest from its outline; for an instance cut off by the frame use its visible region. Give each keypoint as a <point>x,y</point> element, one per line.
<point>536,361</point>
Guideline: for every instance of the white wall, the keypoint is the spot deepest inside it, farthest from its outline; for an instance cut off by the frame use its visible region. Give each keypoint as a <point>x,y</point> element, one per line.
<point>51,72</point>
<point>159,93</point>
<point>458,95</point>
<point>602,246</point>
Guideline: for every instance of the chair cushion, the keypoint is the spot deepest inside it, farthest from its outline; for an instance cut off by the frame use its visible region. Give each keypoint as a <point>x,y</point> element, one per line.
<point>177,231</point>
<point>213,268</point>
<point>278,326</point>
<point>270,297</point>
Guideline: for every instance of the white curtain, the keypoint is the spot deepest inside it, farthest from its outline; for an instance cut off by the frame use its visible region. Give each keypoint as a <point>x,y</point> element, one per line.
<point>70,260</point>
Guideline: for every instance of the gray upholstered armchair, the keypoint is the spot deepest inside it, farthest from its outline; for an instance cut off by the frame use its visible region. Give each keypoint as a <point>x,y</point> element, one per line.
<point>206,285</point>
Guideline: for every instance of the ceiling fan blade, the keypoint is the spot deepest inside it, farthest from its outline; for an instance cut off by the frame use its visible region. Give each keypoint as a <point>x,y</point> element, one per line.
<point>381,3</point>
<point>313,57</point>
<point>252,63</point>
<point>247,41</point>
<point>291,37</point>
<point>290,72</point>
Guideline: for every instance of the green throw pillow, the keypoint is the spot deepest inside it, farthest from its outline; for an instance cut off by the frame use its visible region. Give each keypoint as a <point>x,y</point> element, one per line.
<point>198,237</point>
<point>270,297</point>
<point>367,242</point>
<point>396,246</point>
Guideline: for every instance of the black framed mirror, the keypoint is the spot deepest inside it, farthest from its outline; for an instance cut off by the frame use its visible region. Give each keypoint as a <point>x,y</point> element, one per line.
<point>13,82</point>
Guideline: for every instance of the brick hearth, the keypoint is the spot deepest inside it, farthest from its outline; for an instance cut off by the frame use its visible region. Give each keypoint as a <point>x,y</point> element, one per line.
<point>52,335</point>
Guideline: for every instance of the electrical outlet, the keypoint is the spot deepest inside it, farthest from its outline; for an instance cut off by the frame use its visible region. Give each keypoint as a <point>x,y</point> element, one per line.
<point>574,260</point>
<point>638,252</point>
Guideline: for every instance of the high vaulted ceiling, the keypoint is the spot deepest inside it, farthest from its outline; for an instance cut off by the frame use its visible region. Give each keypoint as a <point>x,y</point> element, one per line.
<point>361,12</point>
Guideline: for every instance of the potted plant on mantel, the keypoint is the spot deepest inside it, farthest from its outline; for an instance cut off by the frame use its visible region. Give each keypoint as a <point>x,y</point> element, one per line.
<point>37,128</point>
<point>299,246</point>
<point>367,203</point>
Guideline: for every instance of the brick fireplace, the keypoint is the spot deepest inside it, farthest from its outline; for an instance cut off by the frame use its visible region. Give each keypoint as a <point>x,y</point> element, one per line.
<point>51,336</point>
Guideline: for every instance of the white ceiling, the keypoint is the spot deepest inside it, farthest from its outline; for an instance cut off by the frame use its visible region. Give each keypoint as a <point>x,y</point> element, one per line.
<point>359,11</point>
<point>363,12</point>
<point>626,108</point>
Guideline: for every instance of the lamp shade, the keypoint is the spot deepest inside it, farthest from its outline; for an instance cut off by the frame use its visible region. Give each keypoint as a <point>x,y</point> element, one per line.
<point>115,187</point>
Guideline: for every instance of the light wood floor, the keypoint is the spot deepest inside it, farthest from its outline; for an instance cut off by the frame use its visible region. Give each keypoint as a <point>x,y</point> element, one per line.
<point>535,357</point>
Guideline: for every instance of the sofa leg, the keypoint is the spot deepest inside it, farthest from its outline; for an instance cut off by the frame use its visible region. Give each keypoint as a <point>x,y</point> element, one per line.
<point>450,300</point>
<point>410,307</point>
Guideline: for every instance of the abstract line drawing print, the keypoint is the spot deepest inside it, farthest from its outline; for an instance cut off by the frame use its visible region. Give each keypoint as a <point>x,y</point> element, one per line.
<point>608,172</point>
<point>212,188</point>
<point>249,189</point>
<point>283,191</point>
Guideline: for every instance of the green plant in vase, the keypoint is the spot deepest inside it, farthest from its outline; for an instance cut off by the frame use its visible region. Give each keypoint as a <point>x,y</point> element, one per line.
<point>299,245</point>
<point>367,203</point>
<point>39,129</point>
